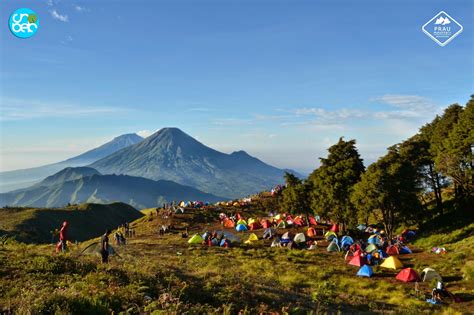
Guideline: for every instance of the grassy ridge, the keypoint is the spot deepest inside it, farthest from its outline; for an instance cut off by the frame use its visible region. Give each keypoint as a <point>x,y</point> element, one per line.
<point>164,274</point>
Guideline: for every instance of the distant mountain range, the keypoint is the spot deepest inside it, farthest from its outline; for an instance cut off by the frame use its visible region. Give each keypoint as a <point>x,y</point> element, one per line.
<point>168,165</point>
<point>17,179</point>
<point>171,154</point>
<point>87,185</point>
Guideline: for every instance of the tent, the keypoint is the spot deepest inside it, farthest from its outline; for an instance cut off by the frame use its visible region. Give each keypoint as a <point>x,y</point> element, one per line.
<point>268,233</point>
<point>335,228</point>
<point>392,250</point>
<point>330,235</point>
<point>252,238</point>
<point>241,227</point>
<point>429,274</point>
<point>286,236</point>
<point>370,248</point>
<point>333,247</point>
<point>229,223</point>
<point>225,243</point>
<point>289,220</point>
<point>254,226</point>
<point>278,217</point>
<point>242,221</point>
<point>311,232</point>
<point>392,262</point>
<point>312,221</point>
<point>374,239</point>
<point>346,241</point>
<point>276,243</point>
<point>357,260</point>
<point>405,250</point>
<point>365,271</point>
<point>281,225</point>
<point>250,221</point>
<point>196,239</point>
<point>299,238</point>
<point>299,221</point>
<point>236,204</point>
<point>408,275</point>
<point>361,227</point>
<point>266,224</point>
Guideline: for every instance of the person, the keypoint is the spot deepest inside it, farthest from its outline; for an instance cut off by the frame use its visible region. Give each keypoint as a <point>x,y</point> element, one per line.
<point>63,236</point>
<point>417,289</point>
<point>104,247</point>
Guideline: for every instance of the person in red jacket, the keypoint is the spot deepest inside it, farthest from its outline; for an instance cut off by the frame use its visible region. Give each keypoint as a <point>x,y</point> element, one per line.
<point>63,236</point>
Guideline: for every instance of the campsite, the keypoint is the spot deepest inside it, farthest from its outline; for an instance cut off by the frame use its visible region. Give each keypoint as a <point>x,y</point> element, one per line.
<point>169,273</point>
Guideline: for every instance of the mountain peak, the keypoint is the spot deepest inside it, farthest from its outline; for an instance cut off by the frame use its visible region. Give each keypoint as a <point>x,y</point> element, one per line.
<point>67,174</point>
<point>128,136</point>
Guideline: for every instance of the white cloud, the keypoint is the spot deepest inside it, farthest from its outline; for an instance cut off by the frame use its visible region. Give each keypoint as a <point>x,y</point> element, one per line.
<point>78,8</point>
<point>18,109</point>
<point>60,17</point>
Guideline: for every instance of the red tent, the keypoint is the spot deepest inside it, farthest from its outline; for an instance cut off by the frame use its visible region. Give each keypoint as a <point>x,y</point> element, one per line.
<point>265,224</point>
<point>335,228</point>
<point>298,221</point>
<point>357,260</point>
<point>254,226</point>
<point>392,250</point>
<point>312,221</point>
<point>407,275</point>
<point>289,219</point>
<point>238,216</point>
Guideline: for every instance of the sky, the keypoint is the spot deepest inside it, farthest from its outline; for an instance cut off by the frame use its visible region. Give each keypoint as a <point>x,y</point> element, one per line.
<point>282,80</point>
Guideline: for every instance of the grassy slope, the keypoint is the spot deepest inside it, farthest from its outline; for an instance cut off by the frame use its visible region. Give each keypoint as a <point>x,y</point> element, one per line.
<point>33,225</point>
<point>180,278</point>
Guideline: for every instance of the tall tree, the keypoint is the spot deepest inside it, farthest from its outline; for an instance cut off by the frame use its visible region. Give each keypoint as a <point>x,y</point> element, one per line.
<point>294,196</point>
<point>388,190</point>
<point>455,157</point>
<point>333,181</point>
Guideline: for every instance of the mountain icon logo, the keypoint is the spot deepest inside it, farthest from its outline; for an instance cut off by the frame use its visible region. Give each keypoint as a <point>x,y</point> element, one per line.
<point>442,20</point>
<point>442,28</point>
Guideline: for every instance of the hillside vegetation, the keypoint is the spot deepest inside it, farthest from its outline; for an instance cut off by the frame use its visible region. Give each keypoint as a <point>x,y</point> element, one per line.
<point>164,274</point>
<point>34,225</point>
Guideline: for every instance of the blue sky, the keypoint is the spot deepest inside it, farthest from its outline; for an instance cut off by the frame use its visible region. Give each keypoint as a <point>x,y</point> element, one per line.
<point>282,80</point>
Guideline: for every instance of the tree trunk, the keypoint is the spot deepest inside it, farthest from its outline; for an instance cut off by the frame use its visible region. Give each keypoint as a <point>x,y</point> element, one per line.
<point>436,185</point>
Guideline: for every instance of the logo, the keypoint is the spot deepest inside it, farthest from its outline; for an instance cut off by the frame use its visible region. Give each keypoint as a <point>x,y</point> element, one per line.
<point>23,23</point>
<point>442,28</point>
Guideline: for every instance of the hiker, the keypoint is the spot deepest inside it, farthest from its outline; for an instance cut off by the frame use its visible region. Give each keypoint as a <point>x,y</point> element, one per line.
<point>104,244</point>
<point>63,237</point>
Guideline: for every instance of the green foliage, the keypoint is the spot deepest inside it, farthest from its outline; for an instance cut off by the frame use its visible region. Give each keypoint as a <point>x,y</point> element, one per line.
<point>333,181</point>
<point>388,189</point>
<point>295,195</point>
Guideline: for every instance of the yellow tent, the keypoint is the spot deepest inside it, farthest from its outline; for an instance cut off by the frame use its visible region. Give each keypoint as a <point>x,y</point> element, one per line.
<point>329,233</point>
<point>250,221</point>
<point>242,221</point>
<point>278,217</point>
<point>252,238</point>
<point>236,204</point>
<point>196,239</point>
<point>392,262</point>
<point>182,204</point>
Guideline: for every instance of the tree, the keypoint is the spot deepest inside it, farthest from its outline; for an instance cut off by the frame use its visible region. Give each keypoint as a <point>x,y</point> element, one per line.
<point>455,157</point>
<point>388,190</point>
<point>333,181</point>
<point>294,196</point>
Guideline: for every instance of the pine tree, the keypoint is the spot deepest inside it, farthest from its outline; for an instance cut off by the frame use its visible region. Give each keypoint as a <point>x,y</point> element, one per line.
<point>333,181</point>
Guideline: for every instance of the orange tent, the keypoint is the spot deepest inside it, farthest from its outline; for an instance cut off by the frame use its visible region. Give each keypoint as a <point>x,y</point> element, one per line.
<point>312,221</point>
<point>311,232</point>
<point>335,228</point>
<point>266,224</point>
<point>229,223</point>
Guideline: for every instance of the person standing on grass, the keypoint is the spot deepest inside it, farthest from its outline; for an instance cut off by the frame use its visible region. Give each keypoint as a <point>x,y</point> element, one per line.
<point>104,247</point>
<point>63,237</point>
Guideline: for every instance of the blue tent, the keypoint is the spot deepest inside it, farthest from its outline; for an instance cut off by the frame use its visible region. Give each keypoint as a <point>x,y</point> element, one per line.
<point>346,241</point>
<point>383,254</point>
<point>405,250</point>
<point>241,227</point>
<point>365,271</point>
<point>374,240</point>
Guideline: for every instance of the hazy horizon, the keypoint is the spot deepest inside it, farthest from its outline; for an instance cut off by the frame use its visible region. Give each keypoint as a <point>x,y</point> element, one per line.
<point>282,82</point>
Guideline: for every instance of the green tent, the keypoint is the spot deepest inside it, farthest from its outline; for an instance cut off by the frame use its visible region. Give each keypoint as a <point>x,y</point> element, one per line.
<point>371,247</point>
<point>196,239</point>
<point>333,247</point>
<point>281,225</point>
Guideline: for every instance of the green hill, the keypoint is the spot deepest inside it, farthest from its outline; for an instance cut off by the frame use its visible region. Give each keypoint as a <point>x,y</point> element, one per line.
<point>34,225</point>
<point>163,274</point>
